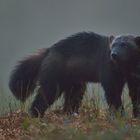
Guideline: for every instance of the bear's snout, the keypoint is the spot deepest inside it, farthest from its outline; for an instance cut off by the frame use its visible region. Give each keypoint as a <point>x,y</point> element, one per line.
<point>114,56</point>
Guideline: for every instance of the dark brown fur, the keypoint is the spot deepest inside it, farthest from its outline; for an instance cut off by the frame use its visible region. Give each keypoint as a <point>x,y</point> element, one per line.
<point>67,66</point>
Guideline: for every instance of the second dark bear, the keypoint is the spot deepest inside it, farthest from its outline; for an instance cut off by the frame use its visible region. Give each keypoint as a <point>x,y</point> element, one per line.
<point>68,65</point>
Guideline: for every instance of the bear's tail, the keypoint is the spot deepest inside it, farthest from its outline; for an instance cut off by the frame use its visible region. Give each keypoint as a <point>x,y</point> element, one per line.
<point>24,77</point>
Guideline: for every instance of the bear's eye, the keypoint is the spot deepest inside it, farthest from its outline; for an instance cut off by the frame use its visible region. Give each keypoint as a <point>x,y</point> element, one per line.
<point>114,45</point>
<point>124,45</point>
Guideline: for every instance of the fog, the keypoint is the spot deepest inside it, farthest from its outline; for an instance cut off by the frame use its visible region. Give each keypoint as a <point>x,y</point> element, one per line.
<point>27,25</point>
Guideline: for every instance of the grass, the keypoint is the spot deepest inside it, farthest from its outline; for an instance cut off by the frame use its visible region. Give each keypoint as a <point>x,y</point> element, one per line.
<point>92,123</point>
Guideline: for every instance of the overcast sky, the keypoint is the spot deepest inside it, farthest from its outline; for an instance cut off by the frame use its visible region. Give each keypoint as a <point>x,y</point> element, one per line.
<point>26,25</point>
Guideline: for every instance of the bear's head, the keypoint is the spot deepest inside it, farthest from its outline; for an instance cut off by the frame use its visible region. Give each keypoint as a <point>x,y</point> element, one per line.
<point>125,50</point>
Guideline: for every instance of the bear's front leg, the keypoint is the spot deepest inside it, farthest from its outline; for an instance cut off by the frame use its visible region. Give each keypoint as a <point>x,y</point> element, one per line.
<point>134,93</point>
<point>113,83</point>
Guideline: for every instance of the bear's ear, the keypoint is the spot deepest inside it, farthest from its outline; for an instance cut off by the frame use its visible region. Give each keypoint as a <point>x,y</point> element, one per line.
<point>110,41</point>
<point>111,38</point>
<point>137,40</point>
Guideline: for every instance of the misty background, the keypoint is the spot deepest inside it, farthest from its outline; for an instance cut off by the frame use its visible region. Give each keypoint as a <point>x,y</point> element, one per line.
<point>27,25</point>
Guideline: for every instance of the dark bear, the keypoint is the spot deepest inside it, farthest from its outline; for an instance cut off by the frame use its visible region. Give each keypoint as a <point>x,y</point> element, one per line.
<point>68,65</point>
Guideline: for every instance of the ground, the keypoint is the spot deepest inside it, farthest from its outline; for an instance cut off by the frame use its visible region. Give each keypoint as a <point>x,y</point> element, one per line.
<point>91,123</point>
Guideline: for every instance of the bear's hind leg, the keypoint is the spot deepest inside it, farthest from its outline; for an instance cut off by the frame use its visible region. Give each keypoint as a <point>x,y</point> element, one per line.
<point>73,96</point>
<point>45,97</point>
